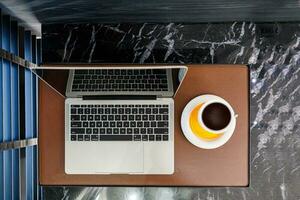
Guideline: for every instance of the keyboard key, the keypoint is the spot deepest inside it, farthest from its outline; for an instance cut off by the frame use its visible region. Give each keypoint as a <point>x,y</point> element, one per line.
<point>109,131</point>
<point>73,137</point>
<point>80,137</point>
<point>73,110</point>
<point>151,117</point>
<point>131,117</point>
<point>129,130</point>
<point>88,131</point>
<point>145,137</point>
<point>165,137</point>
<point>160,131</point>
<point>139,124</point>
<point>100,111</point>
<point>94,111</point>
<point>162,124</point>
<point>146,124</point>
<point>75,117</point>
<point>134,111</point>
<point>95,131</point>
<point>80,111</point>
<point>158,137</point>
<point>127,111</point>
<point>137,137</point>
<point>115,138</point>
<point>136,131</point>
<point>143,131</point>
<point>103,117</point>
<point>132,124</point>
<point>102,130</point>
<point>85,124</point>
<point>86,138</point>
<point>115,131</point>
<point>76,124</point>
<point>92,124</point>
<point>119,124</point>
<point>125,124</point>
<point>163,111</point>
<point>114,111</point>
<point>141,111</point>
<point>153,124</point>
<point>94,137</point>
<point>149,130</point>
<point>138,117</point>
<point>77,131</point>
<point>122,131</point>
<point>151,137</point>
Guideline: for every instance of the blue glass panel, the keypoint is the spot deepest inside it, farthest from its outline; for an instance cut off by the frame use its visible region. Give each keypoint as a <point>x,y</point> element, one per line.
<point>34,115</point>
<point>15,111</point>
<point>28,118</point>
<point>7,156</point>
<point>1,117</point>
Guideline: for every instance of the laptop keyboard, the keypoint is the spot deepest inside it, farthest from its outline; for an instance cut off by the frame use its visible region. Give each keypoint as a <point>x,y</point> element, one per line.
<point>119,122</point>
<point>120,80</point>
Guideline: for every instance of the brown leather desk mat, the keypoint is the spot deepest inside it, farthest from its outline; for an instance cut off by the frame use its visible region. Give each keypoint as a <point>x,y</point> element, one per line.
<point>225,166</point>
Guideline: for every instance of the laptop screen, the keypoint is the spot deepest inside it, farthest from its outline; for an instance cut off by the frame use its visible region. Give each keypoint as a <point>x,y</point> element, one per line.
<point>92,80</point>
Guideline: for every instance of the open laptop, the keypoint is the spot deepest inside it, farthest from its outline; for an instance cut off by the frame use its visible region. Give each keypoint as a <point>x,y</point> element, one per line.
<point>119,121</point>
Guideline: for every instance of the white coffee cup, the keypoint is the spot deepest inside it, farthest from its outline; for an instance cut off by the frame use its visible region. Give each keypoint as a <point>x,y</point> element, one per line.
<point>216,131</point>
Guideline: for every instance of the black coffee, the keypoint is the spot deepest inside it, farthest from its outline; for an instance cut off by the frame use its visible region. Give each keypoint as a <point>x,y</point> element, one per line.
<point>216,116</point>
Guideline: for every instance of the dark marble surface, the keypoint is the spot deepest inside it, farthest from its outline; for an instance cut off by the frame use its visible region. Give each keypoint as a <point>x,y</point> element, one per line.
<point>271,50</point>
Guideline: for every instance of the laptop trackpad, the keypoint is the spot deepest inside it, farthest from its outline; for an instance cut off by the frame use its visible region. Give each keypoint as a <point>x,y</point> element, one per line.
<point>121,158</point>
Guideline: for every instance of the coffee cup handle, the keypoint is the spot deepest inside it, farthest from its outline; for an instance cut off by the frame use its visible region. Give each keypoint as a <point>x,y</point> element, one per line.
<point>236,115</point>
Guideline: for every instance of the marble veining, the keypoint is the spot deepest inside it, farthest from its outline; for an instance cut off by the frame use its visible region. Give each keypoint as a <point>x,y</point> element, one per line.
<point>272,52</point>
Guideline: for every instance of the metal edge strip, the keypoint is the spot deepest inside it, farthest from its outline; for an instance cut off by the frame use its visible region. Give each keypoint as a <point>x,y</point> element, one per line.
<point>16,59</point>
<point>18,144</point>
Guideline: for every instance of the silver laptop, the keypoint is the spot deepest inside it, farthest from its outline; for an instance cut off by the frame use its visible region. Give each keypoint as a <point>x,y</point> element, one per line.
<point>119,121</point>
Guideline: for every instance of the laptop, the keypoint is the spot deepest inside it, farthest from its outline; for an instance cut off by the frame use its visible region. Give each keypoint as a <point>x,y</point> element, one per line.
<point>119,121</point>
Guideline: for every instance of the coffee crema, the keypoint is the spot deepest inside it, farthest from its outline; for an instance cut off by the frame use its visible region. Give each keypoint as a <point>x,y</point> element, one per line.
<point>216,116</point>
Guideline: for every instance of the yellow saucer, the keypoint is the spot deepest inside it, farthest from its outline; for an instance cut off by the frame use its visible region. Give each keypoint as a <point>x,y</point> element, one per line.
<point>196,127</point>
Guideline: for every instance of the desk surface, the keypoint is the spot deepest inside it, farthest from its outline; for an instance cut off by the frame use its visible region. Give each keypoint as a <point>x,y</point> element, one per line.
<point>225,166</point>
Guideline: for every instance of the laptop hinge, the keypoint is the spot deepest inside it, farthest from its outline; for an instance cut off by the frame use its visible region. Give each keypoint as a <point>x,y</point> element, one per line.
<point>119,97</point>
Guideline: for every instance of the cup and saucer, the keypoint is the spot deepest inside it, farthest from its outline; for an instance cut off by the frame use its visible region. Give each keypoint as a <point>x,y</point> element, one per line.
<point>208,121</point>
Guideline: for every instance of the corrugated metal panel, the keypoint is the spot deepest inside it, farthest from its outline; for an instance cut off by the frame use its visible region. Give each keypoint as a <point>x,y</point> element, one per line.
<point>18,113</point>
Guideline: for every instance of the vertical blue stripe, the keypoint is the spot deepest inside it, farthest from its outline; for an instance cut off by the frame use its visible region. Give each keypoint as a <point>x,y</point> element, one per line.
<point>34,115</point>
<point>38,61</point>
<point>28,118</point>
<point>1,117</point>
<point>7,109</point>
<point>15,111</point>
